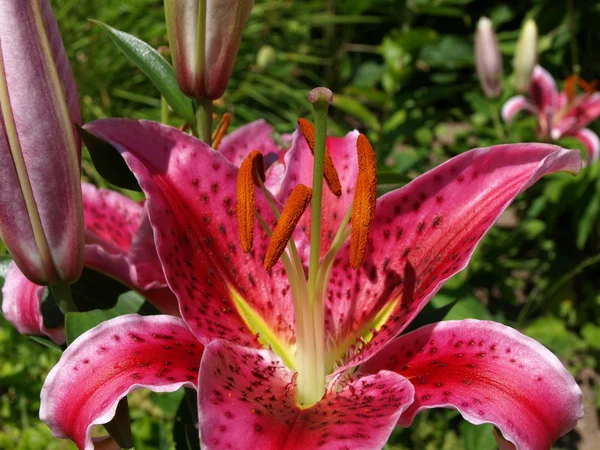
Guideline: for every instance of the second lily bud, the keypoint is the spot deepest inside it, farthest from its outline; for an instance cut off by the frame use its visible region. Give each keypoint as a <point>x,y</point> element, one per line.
<point>205,36</point>
<point>488,58</point>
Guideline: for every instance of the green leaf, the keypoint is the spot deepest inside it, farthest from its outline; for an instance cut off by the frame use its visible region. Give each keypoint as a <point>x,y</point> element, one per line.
<point>154,67</point>
<point>477,437</point>
<point>185,432</point>
<point>356,109</point>
<point>77,323</point>
<point>108,161</point>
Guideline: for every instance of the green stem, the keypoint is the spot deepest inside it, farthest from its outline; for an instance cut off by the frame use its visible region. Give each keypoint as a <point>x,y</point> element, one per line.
<point>497,123</point>
<point>63,298</point>
<point>204,110</point>
<point>317,377</point>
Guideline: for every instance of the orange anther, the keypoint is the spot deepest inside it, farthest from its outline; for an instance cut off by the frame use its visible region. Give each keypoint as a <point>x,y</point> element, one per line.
<point>570,83</point>
<point>588,87</point>
<point>252,167</point>
<point>365,196</point>
<point>329,172</point>
<point>294,208</point>
<point>220,131</point>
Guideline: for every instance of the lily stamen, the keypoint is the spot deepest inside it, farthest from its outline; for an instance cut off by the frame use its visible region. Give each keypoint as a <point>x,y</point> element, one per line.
<point>329,173</point>
<point>251,170</point>
<point>297,203</point>
<point>221,130</point>
<point>365,196</point>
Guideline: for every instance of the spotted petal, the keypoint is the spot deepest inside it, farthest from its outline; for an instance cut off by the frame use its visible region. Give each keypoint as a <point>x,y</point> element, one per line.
<point>299,170</point>
<point>253,136</point>
<point>426,232</point>
<point>191,199</point>
<point>107,362</point>
<point>120,244</point>
<point>491,374</point>
<point>247,400</point>
<point>21,306</point>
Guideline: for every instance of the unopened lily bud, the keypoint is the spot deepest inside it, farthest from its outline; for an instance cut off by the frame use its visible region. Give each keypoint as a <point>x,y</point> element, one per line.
<point>526,56</point>
<point>204,37</point>
<point>41,211</point>
<point>488,58</point>
<point>265,57</point>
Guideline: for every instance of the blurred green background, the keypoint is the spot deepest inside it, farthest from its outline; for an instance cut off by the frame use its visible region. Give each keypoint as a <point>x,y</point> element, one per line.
<point>403,73</point>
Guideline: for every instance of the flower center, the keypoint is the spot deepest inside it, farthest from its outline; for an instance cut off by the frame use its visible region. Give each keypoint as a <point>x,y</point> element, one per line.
<point>314,358</point>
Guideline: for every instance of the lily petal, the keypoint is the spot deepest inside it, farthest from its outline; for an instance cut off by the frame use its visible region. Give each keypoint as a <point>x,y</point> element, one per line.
<point>426,232</point>
<point>120,244</point>
<point>41,221</point>
<point>299,170</point>
<point>223,293</point>
<point>542,91</point>
<point>107,362</point>
<point>491,374</point>
<point>582,114</point>
<point>515,104</point>
<point>253,136</point>
<point>110,217</point>
<point>591,142</point>
<point>21,306</point>
<point>247,400</point>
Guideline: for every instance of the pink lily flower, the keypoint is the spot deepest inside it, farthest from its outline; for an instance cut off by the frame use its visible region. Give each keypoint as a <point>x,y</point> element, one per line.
<point>119,243</point>
<point>272,369</point>
<point>559,113</point>
<point>41,221</point>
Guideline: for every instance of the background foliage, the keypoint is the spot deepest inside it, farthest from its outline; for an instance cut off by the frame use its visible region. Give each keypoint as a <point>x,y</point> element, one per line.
<point>402,72</point>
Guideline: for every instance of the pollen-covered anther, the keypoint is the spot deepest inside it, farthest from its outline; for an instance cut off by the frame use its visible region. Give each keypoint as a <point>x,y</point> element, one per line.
<point>221,130</point>
<point>329,173</point>
<point>365,196</point>
<point>252,167</point>
<point>294,208</point>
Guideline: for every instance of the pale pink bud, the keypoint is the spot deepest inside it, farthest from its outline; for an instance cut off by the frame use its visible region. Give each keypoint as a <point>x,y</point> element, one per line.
<point>488,58</point>
<point>526,56</point>
<point>41,212</point>
<point>205,36</point>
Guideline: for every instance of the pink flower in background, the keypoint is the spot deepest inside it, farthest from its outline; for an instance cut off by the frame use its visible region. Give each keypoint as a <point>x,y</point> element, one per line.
<point>276,370</point>
<point>559,113</point>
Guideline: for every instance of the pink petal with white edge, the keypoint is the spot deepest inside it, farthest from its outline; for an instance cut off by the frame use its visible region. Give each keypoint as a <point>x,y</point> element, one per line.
<point>299,170</point>
<point>591,142</point>
<point>21,306</point>
<point>253,136</point>
<point>425,232</point>
<point>491,374</point>
<point>515,104</point>
<point>107,362</point>
<point>247,400</point>
<point>191,199</point>
<point>542,92</point>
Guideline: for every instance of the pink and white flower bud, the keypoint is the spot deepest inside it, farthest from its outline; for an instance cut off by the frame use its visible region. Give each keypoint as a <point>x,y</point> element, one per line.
<point>205,36</point>
<point>526,56</point>
<point>488,58</point>
<point>41,213</point>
